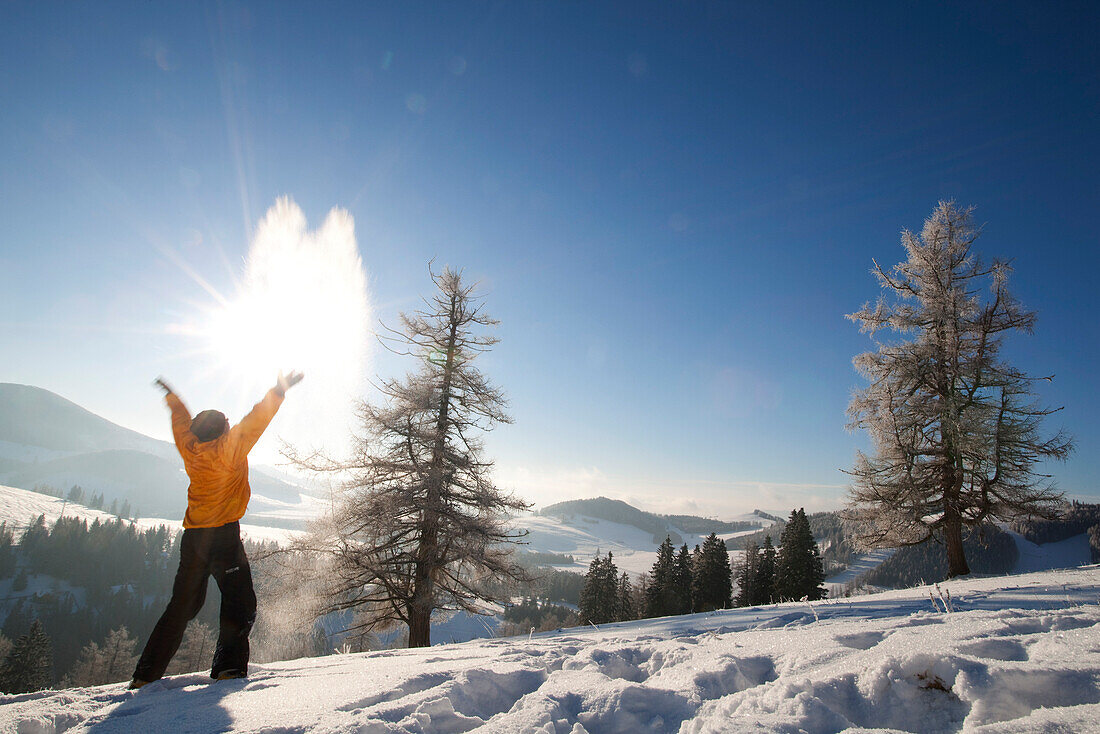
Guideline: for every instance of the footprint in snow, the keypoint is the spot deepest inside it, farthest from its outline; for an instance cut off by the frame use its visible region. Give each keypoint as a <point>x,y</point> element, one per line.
<point>860,640</point>
<point>996,649</point>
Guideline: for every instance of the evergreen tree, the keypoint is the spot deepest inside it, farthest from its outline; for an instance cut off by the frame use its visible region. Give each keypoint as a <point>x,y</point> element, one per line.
<point>955,427</point>
<point>627,610</point>
<point>713,582</point>
<point>660,594</point>
<point>799,571</point>
<point>35,534</point>
<point>589,606</point>
<point>28,666</point>
<point>681,581</point>
<point>641,594</point>
<point>599,598</point>
<point>746,575</point>
<point>7,551</point>
<point>764,582</point>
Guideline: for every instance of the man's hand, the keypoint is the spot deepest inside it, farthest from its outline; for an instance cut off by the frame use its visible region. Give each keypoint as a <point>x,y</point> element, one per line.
<point>159,382</point>
<point>288,381</point>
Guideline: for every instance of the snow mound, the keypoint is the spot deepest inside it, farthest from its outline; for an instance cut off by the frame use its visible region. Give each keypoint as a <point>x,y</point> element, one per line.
<point>1018,654</point>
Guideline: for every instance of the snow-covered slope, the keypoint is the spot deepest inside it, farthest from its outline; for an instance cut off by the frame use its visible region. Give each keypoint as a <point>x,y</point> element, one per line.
<point>857,568</point>
<point>46,439</point>
<point>1014,654</point>
<point>19,506</point>
<point>1068,553</point>
<point>634,550</point>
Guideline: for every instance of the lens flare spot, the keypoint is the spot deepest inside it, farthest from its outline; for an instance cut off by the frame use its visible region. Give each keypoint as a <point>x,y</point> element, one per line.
<point>417,103</point>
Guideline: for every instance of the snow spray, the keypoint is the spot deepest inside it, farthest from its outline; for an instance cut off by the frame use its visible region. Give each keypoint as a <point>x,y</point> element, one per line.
<point>302,304</point>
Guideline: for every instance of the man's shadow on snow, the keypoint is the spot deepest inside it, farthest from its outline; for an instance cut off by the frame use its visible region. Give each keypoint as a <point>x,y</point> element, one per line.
<point>178,704</point>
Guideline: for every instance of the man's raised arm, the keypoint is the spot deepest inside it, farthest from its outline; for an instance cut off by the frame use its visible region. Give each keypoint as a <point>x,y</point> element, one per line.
<point>244,435</point>
<point>181,417</point>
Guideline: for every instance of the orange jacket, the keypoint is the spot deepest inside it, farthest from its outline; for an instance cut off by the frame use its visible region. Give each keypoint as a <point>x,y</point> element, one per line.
<point>218,469</point>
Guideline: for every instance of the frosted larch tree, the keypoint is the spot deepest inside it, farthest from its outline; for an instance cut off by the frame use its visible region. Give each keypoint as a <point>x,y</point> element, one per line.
<point>420,525</point>
<point>111,662</point>
<point>955,428</point>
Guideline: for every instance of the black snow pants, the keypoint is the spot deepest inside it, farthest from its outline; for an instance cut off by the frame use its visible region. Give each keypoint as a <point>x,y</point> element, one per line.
<point>206,551</point>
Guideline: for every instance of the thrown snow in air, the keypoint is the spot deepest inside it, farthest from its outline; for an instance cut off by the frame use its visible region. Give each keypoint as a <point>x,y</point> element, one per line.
<point>302,305</point>
<point>1017,653</point>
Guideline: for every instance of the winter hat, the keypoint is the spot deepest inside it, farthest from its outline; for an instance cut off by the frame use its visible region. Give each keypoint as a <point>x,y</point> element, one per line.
<point>208,425</point>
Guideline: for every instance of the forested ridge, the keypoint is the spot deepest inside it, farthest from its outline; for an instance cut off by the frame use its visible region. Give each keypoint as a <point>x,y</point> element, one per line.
<point>83,583</point>
<point>1077,518</point>
<point>837,549</point>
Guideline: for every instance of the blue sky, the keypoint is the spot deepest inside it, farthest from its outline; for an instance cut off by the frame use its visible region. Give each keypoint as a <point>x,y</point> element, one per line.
<point>671,206</point>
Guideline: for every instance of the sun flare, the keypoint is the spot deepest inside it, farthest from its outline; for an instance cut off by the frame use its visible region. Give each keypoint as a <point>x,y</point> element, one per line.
<point>301,305</point>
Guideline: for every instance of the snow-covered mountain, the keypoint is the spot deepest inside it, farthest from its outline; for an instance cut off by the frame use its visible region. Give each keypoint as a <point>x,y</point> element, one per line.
<point>48,440</point>
<point>1009,654</point>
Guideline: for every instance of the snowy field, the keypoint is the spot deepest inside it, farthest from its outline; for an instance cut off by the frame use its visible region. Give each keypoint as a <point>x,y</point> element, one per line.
<point>634,550</point>
<point>1009,654</point>
<point>20,506</point>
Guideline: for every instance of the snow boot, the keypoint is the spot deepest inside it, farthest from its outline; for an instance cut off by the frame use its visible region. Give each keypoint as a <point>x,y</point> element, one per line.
<point>230,674</point>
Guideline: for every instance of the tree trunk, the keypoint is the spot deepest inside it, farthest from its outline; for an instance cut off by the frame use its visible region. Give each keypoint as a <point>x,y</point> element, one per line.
<point>423,600</point>
<point>420,627</point>
<point>952,535</point>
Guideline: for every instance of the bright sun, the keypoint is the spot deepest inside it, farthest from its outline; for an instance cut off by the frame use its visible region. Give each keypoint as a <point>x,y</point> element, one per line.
<point>301,305</point>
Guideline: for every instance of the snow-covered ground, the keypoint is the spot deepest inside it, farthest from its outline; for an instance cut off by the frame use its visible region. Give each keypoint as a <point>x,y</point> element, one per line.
<point>1068,553</point>
<point>1013,654</point>
<point>859,566</point>
<point>19,506</point>
<point>634,550</point>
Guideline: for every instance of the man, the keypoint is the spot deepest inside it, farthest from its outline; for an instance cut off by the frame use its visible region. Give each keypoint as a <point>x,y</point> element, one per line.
<point>215,458</point>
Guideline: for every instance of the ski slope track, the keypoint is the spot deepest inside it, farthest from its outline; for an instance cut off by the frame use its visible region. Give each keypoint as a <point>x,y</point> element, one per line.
<point>1006,654</point>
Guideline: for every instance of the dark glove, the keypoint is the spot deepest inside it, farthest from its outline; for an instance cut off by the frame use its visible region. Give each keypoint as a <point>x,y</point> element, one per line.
<point>288,381</point>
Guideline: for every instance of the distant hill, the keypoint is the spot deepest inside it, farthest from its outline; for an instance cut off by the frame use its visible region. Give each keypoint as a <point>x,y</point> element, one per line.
<point>602,508</point>
<point>35,417</point>
<point>989,553</point>
<point>46,440</point>
<point>767,516</point>
<point>1076,518</point>
<point>706,525</point>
